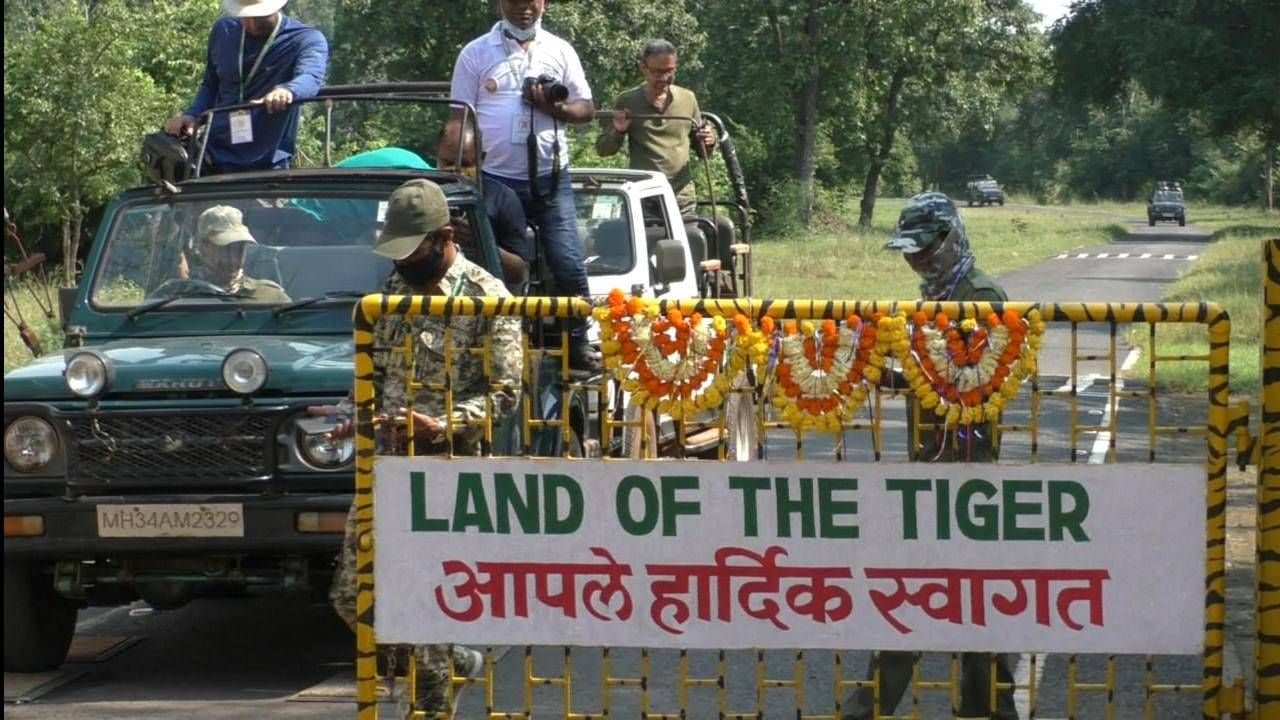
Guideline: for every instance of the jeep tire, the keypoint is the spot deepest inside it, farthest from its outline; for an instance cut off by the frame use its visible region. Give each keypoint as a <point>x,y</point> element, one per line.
<point>1151,222</point>
<point>1001,202</point>
<point>1182,222</point>
<point>38,622</point>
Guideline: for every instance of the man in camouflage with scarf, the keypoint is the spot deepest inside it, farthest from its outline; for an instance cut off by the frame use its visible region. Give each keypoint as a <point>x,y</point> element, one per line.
<point>418,237</point>
<point>932,239</point>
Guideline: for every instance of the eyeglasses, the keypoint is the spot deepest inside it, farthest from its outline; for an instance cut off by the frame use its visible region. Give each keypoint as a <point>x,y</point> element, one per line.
<point>660,72</point>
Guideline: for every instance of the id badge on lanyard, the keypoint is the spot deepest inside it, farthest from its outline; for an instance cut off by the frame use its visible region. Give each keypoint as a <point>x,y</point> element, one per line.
<point>241,120</point>
<point>522,123</point>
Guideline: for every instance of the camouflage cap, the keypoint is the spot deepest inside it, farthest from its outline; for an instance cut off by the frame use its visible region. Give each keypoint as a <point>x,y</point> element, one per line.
<point>925,217</point>
<point>416,209</point>
<point>222,225</point>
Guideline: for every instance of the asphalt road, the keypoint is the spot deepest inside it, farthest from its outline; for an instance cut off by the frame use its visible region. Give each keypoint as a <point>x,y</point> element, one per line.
<point>254,656</point>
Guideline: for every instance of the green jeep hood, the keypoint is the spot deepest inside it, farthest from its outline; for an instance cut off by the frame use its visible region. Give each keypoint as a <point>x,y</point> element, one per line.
<point>297,365</point>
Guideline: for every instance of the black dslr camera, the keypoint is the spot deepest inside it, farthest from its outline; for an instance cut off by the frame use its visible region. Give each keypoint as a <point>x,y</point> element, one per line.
<point>552,89</point>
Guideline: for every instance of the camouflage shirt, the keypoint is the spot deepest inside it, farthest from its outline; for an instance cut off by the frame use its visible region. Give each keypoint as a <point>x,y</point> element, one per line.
<point>472,390</point>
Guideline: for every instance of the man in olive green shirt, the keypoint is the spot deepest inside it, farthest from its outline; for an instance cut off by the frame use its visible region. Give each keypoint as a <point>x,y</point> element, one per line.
<point>656,144</point>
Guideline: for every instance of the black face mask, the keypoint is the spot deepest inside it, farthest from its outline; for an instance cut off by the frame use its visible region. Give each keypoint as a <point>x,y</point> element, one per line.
<point>421,273</point>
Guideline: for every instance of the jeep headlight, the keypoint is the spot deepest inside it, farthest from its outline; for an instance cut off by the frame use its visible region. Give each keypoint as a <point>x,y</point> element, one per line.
<point>87,374</point>
<point>244,371</point>
<point>325,453</point>
<point>30,444</point>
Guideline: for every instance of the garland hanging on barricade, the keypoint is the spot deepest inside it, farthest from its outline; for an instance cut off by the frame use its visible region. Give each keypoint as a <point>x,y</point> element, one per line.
<point>966,372</point>
<point>821,372</point>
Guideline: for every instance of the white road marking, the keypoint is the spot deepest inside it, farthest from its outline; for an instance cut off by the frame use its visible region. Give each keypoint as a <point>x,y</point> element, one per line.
<point>1082,384</point>
<point>1102,443</point>
<point>1125,256</point>
<point>95,621</point>
<point>1022,674</point>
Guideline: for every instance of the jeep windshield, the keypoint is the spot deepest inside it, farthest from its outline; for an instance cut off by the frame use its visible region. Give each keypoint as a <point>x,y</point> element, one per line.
<point>604,229</point>
<point>1168,196</point>
<point>260,250</point>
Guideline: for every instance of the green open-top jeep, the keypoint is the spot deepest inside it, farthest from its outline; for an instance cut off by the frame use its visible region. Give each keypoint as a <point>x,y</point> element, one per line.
<point>165,452</point>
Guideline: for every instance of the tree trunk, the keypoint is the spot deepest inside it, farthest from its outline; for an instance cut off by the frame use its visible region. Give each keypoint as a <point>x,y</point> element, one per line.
<point>807,116</point>
<point>1271,172</point>
<point>77,218</point>
<point>68,260</point>
<point>881,156</point>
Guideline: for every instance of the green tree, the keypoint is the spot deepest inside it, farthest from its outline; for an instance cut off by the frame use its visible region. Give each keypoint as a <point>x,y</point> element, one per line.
<point>72,127</point>
<point>1216,58</point>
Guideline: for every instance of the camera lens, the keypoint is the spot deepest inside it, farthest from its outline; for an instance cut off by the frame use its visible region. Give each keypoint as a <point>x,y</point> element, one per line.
<point>556,92</point>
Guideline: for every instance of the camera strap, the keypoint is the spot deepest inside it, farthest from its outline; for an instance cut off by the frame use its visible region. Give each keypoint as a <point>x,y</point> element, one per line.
<point>531,152</point>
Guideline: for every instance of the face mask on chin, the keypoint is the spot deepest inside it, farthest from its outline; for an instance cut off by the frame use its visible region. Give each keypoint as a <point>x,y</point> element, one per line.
<point>521,34</point>
<point>424,272</point>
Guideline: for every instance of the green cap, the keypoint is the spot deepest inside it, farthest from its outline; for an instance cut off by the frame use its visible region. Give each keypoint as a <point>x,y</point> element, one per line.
<point>922,220</point>
<point>416,209</point>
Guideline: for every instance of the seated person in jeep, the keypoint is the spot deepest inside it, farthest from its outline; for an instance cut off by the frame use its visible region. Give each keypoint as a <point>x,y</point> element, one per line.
<point>224,241</point>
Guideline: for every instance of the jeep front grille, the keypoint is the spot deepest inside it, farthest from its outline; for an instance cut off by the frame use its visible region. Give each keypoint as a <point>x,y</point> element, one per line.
<point>212,448</point>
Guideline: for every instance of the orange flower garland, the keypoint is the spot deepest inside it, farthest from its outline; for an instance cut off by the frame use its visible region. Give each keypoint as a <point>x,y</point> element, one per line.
<point>824,373</point>
<point>672,363</point>
<point>965,372</point>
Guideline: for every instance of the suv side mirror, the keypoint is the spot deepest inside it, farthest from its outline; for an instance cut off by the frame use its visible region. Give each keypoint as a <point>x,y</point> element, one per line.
<point>669,256</point>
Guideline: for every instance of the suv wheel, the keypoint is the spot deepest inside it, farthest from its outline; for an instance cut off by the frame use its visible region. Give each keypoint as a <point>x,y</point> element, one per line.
<point>1182,222</point>
<point>38,622</point>
<point>1001,202</point>
<point>1151,222</point>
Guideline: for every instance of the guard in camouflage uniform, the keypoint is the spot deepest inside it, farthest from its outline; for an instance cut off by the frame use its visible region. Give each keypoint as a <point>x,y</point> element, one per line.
<point>224,240</point>
<point>932,238</point>
<point>418,237</point>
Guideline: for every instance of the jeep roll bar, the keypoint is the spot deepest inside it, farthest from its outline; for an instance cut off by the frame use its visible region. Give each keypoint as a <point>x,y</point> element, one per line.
<point>426,93</point>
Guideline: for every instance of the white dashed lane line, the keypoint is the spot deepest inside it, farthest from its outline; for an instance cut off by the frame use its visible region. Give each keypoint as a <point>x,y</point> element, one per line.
<point>1123,256</point>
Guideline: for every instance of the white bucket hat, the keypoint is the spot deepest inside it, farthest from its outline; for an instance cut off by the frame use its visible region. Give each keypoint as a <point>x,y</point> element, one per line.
<point>252,8</point>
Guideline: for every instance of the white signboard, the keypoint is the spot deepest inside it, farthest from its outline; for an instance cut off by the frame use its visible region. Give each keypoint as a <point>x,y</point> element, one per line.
<point>1052,558</point>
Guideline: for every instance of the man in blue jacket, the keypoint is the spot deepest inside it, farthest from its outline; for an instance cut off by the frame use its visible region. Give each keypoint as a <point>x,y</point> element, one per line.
<point>256,54</point>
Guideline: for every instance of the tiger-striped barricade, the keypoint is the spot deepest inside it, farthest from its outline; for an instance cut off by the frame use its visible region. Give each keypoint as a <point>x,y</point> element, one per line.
<point>496,550</point>
<point>1267,644</point>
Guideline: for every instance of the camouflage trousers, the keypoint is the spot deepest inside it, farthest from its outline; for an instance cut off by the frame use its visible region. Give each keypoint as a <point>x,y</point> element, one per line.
<point>432,661</point>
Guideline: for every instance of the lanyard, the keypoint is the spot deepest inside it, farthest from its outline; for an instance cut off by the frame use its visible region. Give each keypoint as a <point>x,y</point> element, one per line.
<point>457,284</point>
<point>246,79</point>
<point>516,72</point>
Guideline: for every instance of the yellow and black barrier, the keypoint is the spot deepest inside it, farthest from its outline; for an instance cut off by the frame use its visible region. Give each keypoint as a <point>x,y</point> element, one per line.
<point>1215,700</point>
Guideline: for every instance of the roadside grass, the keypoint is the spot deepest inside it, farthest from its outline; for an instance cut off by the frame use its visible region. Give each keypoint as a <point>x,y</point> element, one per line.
<point>1228,273</point>
<point>837,259</point>
<point>24,298</point>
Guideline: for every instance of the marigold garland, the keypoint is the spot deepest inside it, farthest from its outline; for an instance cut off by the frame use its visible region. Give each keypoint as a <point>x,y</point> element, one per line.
<point>824,372</point>
<point>965,372</point>
<point>673,363</point>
